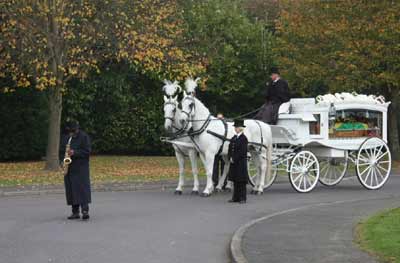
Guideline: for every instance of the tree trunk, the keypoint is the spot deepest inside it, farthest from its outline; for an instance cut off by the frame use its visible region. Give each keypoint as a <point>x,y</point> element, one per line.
<point>53,139</point>
<point>393,132</point>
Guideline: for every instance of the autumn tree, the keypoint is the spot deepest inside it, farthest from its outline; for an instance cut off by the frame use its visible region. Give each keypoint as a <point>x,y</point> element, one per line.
<point>44,43</point>
<point>347,45</point>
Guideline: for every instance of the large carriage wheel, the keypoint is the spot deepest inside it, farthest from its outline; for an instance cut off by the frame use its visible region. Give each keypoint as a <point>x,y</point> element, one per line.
<point>304,171</point>
<point>373,163</point>
<point>332,170</point>
<point>252,170</point>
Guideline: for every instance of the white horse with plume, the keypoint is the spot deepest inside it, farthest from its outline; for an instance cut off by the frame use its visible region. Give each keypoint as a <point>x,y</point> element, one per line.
<point>197,120</point>
<point>182,145</point>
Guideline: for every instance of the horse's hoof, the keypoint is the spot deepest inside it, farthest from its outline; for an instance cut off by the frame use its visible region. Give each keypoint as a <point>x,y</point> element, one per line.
<point>253,192</point>
<point>218,190</point>
<point>178,192</point>
<point>194,192</point>
<point>228,190</point>
<point>259,193</point>
<point>205,195</point>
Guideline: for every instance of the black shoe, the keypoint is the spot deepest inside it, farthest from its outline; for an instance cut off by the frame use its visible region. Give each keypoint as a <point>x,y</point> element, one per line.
<point>74,216</point>
<point>85,216</point>
<point>232,201</point>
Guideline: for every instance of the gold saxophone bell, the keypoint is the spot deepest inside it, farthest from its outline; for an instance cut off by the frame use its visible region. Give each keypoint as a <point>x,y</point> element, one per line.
<point>67,161</point>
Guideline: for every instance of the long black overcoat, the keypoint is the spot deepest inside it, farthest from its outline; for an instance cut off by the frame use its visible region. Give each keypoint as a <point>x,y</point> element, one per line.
<point>77,180</point>
<point>276,94</point>
<point>238,157</point>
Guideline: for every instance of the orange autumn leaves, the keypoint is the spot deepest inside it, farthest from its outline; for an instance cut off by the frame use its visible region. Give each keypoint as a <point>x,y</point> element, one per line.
<point>103,169</point>
<point>44,43</point>
<point>348,44</point>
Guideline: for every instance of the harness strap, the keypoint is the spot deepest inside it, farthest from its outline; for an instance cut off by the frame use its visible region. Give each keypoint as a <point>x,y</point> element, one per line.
<point>225,134</point>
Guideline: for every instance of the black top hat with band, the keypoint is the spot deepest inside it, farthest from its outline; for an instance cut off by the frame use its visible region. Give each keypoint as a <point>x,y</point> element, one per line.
<point>274,70</point>
<point>239,123</point>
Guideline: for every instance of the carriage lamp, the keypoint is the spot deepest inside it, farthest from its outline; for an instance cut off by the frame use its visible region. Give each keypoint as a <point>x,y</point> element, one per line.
<point>332,112</point>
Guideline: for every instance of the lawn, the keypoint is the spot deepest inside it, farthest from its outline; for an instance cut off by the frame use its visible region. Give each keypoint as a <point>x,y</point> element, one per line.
<point>107,169</point>
<point>379,235</point>
<point>104,169</point>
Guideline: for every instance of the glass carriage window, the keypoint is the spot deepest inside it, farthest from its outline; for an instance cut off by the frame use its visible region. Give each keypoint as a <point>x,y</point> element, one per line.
<point>315,126</point>
<point>356,123</point>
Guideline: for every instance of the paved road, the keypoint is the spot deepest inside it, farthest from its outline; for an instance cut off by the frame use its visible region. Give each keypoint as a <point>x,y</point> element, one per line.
<point>153,226</point>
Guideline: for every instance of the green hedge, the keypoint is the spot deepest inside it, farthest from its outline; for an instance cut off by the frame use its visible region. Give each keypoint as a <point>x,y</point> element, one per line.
<point>23,129</point>
<point>121,110</point>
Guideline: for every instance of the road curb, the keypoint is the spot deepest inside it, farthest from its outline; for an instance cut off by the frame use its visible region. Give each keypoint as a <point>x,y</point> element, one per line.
<point>236,250</point>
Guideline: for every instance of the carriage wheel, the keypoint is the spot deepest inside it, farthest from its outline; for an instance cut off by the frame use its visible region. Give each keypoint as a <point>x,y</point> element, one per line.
<point>332,170</point>
<point>304,171</point>
<point>373,163</point>
<point>252,170</point>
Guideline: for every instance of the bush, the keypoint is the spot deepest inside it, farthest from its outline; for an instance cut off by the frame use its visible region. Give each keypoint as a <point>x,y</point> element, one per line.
<point>23,130</point>
<point>121,110</point>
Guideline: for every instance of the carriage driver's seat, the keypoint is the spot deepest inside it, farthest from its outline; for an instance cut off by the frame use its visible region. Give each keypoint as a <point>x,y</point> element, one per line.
<point>284,108</point>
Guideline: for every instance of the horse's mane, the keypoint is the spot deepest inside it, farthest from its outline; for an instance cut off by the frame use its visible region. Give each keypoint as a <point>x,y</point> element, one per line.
<point>201,104</point>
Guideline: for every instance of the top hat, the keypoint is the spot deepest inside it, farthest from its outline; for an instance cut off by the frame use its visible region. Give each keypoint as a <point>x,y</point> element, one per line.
<point>72,125</point>
<point>239,123</point>
<point>274,70</point>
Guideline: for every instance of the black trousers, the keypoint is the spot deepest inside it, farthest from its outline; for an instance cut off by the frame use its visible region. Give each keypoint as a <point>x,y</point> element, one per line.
<point>239,191</point>
<point>84,208</point>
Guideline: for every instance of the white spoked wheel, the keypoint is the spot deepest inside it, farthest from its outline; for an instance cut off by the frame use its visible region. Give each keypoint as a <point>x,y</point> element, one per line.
<point>304,171</point>
<point>332,170</point>
<point>373,163</point>
<point>252,170</point>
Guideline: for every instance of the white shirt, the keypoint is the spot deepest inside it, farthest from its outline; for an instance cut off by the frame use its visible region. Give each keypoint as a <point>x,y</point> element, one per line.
<point>276,79</point>
<point>238,134</point>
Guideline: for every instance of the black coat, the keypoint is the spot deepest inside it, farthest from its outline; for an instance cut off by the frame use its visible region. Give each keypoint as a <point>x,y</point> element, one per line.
<point>77,180</point>
<point>278,92</point>
<point>238,157</point>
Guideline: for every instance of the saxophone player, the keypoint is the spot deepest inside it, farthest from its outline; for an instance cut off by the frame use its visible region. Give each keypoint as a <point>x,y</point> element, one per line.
<point>75,144</point>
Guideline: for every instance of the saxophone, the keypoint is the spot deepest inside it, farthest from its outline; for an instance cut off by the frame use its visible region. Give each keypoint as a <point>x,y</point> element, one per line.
<point>67,159</point>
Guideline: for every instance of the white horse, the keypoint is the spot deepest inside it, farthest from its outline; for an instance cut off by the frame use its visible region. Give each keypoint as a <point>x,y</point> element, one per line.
<point>197,120</point>
<point>183,146</point>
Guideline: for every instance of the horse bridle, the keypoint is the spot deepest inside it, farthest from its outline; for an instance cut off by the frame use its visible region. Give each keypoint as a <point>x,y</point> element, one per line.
<point>179,131</point>
<point>169,102</point>
<point>188,114</point>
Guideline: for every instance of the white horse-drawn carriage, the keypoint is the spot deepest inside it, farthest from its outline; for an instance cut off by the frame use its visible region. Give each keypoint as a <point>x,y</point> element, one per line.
<point>319,139</point>
<point>314,140</point>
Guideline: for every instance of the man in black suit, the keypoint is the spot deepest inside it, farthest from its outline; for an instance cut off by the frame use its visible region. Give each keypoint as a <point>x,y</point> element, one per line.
<point>237,154</point>
<point>277,93</point>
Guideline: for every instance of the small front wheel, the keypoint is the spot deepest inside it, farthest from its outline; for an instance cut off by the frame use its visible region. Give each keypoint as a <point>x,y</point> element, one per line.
<point>304,171</point>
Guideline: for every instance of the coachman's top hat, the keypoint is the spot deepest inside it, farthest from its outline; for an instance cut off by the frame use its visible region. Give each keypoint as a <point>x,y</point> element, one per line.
<point>274,70</point>
<point>239,123</point>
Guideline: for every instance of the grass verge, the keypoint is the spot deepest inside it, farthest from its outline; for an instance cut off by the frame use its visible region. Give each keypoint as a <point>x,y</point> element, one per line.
<point>379,235</point>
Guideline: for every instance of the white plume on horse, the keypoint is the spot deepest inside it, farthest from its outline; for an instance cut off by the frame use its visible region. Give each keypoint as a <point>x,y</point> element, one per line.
<point>183,146</point>
<point>171,88</point>
<point>191,85</point>
<point>196,116</point>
